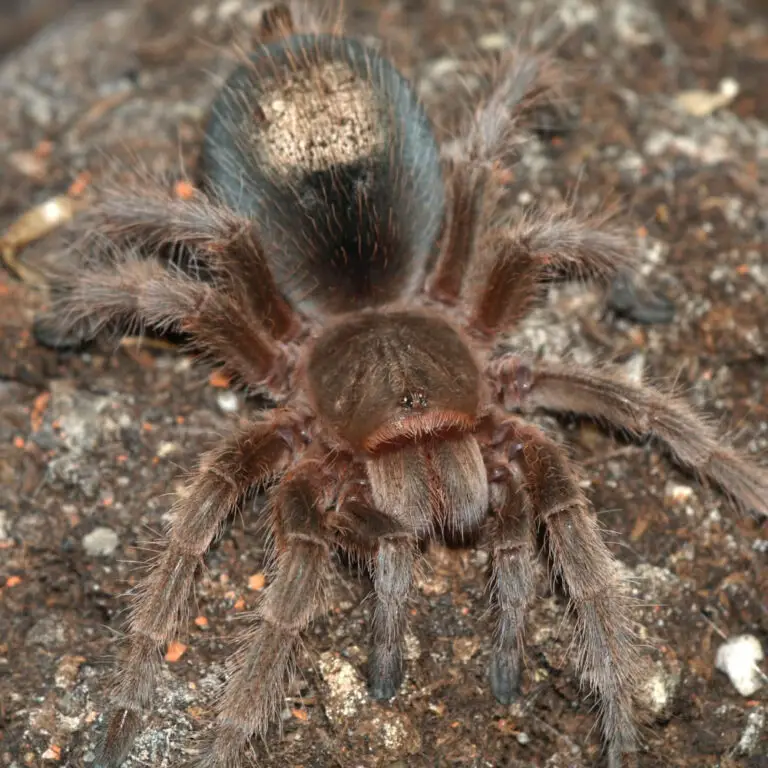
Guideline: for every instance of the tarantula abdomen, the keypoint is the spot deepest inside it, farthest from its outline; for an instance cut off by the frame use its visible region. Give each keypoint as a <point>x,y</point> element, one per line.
<point>314,139</point>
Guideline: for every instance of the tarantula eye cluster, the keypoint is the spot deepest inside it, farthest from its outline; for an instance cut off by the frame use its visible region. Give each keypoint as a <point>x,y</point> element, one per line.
<point>363,278</point>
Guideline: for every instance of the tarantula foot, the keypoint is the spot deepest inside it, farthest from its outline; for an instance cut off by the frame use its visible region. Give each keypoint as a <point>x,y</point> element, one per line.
<point>226,750</point>
<point>616,756</point>
<point>385,674</point>
<point>637,303</point>
<point>124,725</point>
<point>383,689</point>
<point>48,332</point>
<point>504,674</point>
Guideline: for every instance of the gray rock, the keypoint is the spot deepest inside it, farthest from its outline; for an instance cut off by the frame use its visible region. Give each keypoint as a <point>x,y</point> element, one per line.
<point>100,541</point>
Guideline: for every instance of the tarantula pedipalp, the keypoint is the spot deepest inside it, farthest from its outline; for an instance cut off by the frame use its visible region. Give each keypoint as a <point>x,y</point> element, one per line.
<point>364,282</point>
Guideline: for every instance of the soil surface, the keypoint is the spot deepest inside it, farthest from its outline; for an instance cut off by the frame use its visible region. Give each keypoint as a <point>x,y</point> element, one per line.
<point>93,444</point>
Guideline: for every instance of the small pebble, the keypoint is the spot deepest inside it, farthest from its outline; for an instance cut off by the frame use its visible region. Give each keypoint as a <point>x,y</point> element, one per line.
<point>660,690</point>
<point>749,742</point>
<point>100,541</point>
<point>494,41</point>
<point>346,690</point>
<point>52,753</point>
<point>412,647</point>
<point>166,449</point>
<point>702,103</point>
<point>738,657</point>
<point>228,401</point>
<point>480,558</point>
<point>200,15</point>
<point>634,368</point>
<point>464,648</point>
<point>523,738</point>
<point>439,68</point>
<point>228,9</point>
<point>675,493</point>
<point>67,671</point>
<point>257,581</point>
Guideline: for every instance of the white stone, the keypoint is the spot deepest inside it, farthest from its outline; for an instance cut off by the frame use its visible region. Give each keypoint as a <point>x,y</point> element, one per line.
<point>166,449</point>
<point>228,401</point>
<point>228,9</point>
<point>750,737</point>
<point>346,690</point>
<point>676,493</point>
<point>660,689</point>
<point>100,541</point>
<point>739,657</point>
<point>494,41</point>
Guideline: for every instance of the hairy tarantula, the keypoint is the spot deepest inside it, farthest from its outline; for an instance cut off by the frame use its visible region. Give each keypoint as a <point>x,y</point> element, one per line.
<point>363,279</point>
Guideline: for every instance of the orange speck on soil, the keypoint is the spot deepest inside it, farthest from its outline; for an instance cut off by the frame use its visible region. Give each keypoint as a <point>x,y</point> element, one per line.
<point>175,651</point>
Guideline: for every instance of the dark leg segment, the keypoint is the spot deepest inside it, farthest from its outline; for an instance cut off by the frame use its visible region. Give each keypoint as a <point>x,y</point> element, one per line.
<point>392,578</point>
<point>475,163</point>
<point>392,551</point>
<point>641,411</point>
<point>513,577</point>
<point>468,186</point>
<point>253,696</point>
<point>159,614</point>
<point>607,657</point>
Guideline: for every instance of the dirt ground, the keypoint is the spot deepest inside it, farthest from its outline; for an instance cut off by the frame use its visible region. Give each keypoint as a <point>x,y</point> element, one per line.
<point>93,444</point>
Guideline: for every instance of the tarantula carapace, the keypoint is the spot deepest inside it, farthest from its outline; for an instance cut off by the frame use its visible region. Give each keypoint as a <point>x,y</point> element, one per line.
<point>363,280</point>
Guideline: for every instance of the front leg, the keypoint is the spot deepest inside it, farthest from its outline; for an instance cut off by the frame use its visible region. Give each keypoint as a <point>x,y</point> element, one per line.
<point>390,551</point>
<point>299,576</point>
<point>642,411</point>
<point>513,576</point>
<point>520,259</point>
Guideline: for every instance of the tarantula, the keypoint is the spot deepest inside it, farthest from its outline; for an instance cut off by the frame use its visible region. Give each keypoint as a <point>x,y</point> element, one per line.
<point>363,279</point>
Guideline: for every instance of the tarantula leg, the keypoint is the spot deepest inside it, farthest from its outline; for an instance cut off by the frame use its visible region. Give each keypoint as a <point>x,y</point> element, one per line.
<point>468,186</point>
<point>151,216</point>
<point>643,412</point>
<point>579,558</point>
<point>392,552</point>
<point>249,457</point>
<point>513,578</point>
<point>392,579</point>
<point>527,254</point>
<point>253,696</point>
<point>142,291</point>
<point>472,184</point>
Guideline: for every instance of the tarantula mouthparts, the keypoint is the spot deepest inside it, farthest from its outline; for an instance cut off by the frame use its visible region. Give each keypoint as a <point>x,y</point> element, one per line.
<point>364,279</point>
